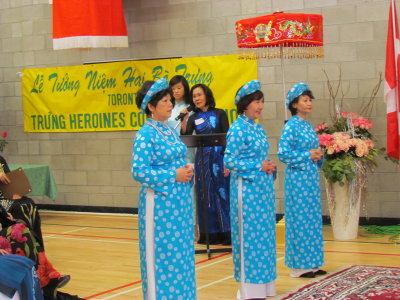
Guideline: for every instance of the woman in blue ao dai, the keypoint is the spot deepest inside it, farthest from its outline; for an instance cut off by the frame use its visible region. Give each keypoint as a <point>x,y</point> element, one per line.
<point>299,150</point>
<point>209,120</point>
<point>165,207</point>
<point>252,207</point>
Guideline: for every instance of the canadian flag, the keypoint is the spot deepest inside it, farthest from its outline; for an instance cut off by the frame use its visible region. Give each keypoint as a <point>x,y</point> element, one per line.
<point>88,24</point>
<point>392,87</point>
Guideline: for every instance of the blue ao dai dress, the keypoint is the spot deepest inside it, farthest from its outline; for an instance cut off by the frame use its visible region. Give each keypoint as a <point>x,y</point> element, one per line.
<point>303,215</point>
<point>165,215</point>
<point>211,163</point>
<point>252,209</point>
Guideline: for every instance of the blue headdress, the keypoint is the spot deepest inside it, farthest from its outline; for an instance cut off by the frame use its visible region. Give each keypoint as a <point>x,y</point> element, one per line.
<point>158,86</point>
<point>297,90</point>
<point>247,89</point>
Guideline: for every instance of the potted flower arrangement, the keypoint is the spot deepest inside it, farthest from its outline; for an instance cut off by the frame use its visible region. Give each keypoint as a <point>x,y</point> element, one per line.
<point>349,154</point>
<point>348,146</point>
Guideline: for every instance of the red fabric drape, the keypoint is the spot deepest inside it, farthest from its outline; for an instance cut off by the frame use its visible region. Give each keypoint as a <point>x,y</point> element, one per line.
<point>392,84</point>
<point>88,23</point>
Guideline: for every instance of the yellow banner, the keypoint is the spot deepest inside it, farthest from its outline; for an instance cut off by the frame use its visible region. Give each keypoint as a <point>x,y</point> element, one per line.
<point>101,97</point>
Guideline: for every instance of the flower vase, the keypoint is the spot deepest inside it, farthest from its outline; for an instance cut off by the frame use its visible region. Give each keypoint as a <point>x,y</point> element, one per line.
<point>344,208</point>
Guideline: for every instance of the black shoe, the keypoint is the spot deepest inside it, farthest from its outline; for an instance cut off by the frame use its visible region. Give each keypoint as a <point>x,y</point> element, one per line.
<point>63,280</point>
<point>214,239</point>
<point>226,238</point>
<point>50,290</point>
<point>226,242</point>
<point>307,275</point>
<point>202,239</point>
<point>320,272</point>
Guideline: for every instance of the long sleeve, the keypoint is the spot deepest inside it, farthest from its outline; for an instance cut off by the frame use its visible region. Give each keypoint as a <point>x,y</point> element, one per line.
<point>144,170</point>
<point>4,164</point>
<point>189,126</point>
<point>237,159</point>
<point>223,118</point>
<point>288,152</point>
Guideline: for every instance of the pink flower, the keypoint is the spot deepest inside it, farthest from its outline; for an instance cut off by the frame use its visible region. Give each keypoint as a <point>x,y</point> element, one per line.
<point>348,115</point>
<point>363,123</point>
<point>17,231</point>
<point>370,143</point>
<point>341,142</point>
<point>325,139</point>
<point>5,244</point>
<point>321,127</point>
<point>361,146</point>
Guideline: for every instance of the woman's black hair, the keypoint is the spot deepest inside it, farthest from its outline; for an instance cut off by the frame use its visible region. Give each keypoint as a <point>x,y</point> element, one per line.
<point>246,100</point>
<point>181,79</point>
<point>293,110</point>
<point>154,99</point>
<point>210,101</point>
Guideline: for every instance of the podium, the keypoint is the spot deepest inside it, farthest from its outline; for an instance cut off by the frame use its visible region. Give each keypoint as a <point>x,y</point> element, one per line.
<point>199,141</point>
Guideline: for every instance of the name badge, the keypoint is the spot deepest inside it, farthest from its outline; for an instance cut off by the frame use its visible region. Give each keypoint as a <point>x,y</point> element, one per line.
<point>199,121</point>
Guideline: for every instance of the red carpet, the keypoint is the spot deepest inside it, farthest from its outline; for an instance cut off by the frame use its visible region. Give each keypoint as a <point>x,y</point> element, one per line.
<point>354,283</point>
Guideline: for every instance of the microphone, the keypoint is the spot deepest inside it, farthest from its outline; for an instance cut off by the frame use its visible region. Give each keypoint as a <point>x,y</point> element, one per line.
<point>182,115</point>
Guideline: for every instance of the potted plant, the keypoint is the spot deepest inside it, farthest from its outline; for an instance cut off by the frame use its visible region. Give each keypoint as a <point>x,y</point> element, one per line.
<point>349,154</point>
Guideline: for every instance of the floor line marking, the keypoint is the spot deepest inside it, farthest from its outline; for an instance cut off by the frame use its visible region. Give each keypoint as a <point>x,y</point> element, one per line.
<point>96,236</point>
<point>213,263</point>
<point>367,253</point>
<point>102,227</point>
<point>45,211</point>
<point>114,289</point>
<point>215,282</point>
<point>66,232</point>
<point>118,294</point>
<point>360,242</point>
<point>90,240</point>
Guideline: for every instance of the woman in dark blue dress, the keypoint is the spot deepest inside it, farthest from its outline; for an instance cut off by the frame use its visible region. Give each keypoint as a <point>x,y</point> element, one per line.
<point>210,120</point>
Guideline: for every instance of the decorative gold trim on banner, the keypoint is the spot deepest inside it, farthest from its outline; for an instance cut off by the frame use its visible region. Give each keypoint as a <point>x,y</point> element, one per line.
<point>301,52</point>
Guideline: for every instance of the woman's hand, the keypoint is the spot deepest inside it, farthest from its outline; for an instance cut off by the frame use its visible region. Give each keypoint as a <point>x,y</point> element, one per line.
<point>184,123</point>
<point>184,174</point>
<point>316,154</point>
<point>4,178</point>
<point>10,217</point>
<point>3,252</point>
<point>184,111</point>
<point>226,172</point>
<point>16,197</point>
<point>268,167</point>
